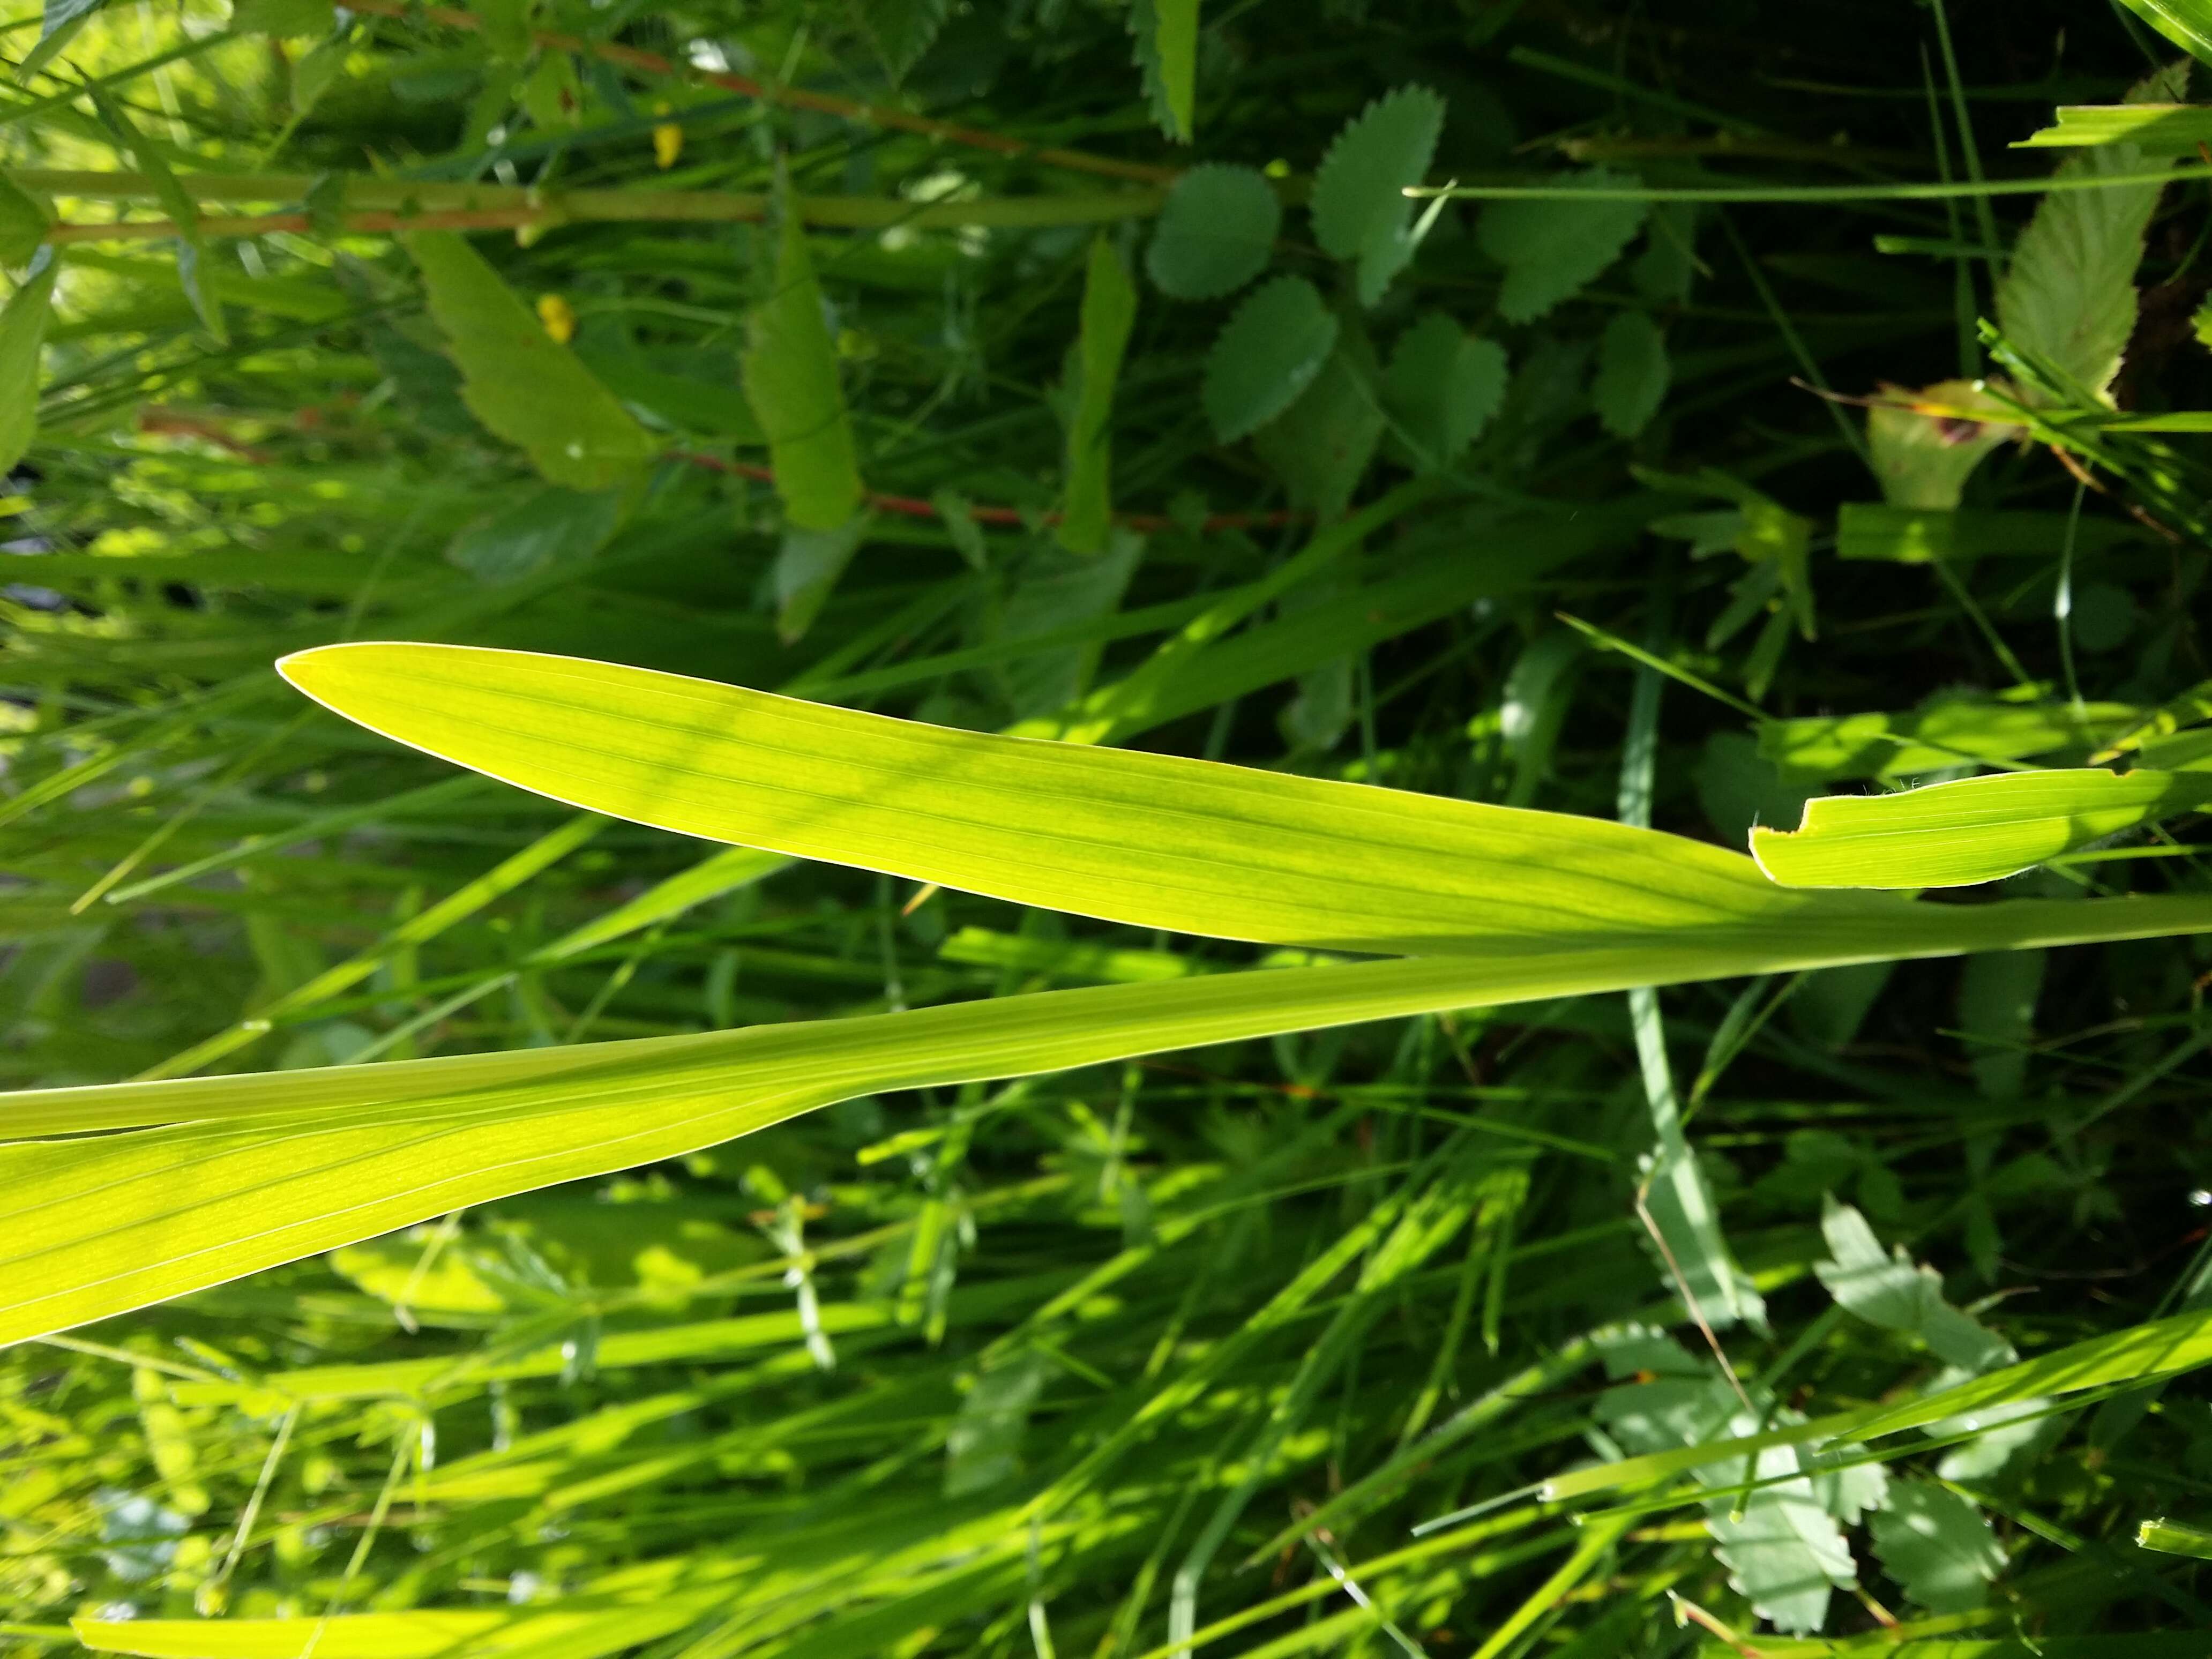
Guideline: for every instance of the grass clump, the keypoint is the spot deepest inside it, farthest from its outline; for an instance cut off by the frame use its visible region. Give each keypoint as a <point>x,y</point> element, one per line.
<point>1034,1226</point>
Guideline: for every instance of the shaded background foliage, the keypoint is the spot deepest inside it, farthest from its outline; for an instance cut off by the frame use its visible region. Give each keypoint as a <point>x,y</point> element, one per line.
<point>1094,1361</point>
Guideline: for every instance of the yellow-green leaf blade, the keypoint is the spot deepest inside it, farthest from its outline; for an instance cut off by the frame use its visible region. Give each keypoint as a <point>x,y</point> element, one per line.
<point>252,1170</point>
<point>1974,829</point>
<point>1155,840</point>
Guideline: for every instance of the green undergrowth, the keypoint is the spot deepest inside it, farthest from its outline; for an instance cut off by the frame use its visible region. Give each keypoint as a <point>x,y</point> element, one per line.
<point>1739,412</point>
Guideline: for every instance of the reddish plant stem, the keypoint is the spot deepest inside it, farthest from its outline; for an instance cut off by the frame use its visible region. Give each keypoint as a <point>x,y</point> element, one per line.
<point>914,507</point>
<point>876,115</point>
<point>209,429</point>
<point>260,224</point>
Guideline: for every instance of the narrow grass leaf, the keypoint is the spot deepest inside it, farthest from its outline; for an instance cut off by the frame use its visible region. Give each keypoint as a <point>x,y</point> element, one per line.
<point>2170,1538</point>
<point>1941,734</point>
<point>1109,310</point>
<point>1970,830</point>
<point>2187,23</point>
<point>2141,1353</point>
<point>2152,128</point>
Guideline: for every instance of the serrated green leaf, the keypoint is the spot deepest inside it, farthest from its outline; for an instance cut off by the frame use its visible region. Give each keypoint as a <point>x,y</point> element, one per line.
<point>1055,593</point>
<point>1269,353</point>
<point>1632,374</point>
<point>2162,1348</point>
<point>1359,205</point>
<point>23,223</point>
<point>982,1447</point>
<point>1553,248</point>
<point>1784,1551</point>
<point>903,30</point>
<point>2187,23</point>
<point>1970,830</point>
<point>505,28</point>
<point>550,528</point>
<point>59,23</point>
<point>2069,294</point>
<point>1664,271</point>
<point>1109,310</point>
<point>325,205</point>
<point>808,563</point>
<point>1321,446</point>
<point>285,19</point>
<point>192,272</point>
<point>1937,1545</point>
<point>1443,387</point>
<point>22,333</point>
<point>1996,1011</point>
<point>1889,1291</point>
<point>791,381</point>
<point>1216,232</point>
<point>316,70</point>
<point>523,386</point>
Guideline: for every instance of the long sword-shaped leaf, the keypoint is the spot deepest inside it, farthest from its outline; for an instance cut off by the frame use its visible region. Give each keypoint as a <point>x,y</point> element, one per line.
<point>251,1171</point>
<point>1158,840</point>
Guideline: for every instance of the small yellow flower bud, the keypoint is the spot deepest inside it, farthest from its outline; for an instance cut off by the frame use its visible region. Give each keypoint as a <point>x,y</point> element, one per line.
<point>668,145</point>
<point>558,316</point>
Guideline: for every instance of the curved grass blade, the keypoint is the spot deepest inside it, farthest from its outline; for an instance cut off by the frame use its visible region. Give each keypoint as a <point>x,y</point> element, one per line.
<point>1158,840</point>
<point>1973,830</point>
